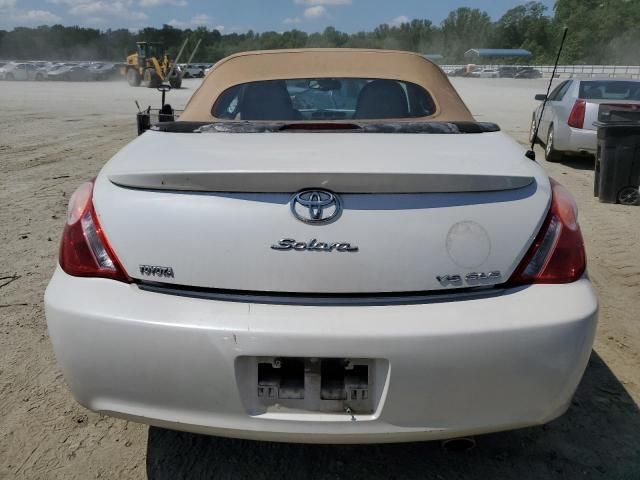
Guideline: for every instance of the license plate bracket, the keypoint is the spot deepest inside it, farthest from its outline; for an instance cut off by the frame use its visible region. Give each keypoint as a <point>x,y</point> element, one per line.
<point>310,384</point>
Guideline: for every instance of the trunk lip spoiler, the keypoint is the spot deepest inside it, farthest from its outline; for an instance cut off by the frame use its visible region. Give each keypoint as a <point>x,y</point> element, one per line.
<point>217,181</point>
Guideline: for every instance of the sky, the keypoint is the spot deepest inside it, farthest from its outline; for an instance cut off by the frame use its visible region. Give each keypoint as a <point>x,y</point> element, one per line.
<point>238,15</point>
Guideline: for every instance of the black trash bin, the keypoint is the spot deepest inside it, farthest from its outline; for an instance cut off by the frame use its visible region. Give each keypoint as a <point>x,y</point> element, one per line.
<point>617,169</point>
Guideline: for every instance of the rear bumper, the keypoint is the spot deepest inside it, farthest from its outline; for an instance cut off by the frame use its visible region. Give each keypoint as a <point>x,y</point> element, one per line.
<point>576,140</point>
<point>454,368</point>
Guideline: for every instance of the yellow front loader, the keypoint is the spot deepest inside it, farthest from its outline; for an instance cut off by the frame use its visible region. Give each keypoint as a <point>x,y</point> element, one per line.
<point>151,66</point>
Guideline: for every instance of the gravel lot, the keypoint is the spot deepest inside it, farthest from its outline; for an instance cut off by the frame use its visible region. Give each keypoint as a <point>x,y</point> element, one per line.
<point>53,136</point>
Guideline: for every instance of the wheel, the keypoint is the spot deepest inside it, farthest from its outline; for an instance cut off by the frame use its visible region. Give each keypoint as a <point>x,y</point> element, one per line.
<point>175,82</point>
<point>550,153</point>
<point>532,131</point>
<point>151,78</point>
<point>629,196</point>
<point>133,77</point>
<point>186,75</point>
<point>10,77</point>
<point>201,74</point>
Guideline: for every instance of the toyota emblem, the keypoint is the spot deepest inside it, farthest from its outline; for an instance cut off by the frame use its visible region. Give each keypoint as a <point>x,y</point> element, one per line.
<point>316,207</point>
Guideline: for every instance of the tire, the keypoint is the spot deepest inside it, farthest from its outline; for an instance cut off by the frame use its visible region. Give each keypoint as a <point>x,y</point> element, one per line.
<point>550,153</point>
<point>175,82</point>
<point>151,78</point>
<point>629,196</point>
<point>133,77</point>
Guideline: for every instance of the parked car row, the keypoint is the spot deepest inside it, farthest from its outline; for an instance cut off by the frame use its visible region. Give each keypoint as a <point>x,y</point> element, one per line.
<point>68,71</point>
<point>477,71</point>
<point>527,72</point>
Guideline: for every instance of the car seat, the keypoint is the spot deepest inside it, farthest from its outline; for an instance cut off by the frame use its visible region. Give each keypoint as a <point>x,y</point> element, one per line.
<point>382,99</point>
<point>267,100</point>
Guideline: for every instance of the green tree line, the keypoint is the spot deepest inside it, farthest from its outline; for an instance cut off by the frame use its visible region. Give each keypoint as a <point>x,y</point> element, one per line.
<point>601,32</point>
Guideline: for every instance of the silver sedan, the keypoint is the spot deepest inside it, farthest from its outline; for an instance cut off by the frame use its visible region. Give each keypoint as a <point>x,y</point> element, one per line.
<point>567,126</point>
<point>18,71</point>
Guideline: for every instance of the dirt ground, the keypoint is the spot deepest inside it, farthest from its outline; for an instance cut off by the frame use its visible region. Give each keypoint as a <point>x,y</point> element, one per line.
<point>54,136</point>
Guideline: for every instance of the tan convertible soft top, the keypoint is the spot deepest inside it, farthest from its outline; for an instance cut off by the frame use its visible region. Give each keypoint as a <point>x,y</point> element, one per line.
<point>328,63</point>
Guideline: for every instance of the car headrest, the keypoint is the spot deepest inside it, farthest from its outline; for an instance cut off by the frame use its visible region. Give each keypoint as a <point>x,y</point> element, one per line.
<point>382,99</point>
<point>267,100</point>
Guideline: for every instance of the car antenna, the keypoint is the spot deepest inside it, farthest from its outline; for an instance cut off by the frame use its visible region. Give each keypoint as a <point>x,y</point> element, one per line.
<point>531,154</point>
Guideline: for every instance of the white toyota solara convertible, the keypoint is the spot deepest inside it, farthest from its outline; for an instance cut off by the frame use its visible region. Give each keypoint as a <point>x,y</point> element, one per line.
<point>324,247</point>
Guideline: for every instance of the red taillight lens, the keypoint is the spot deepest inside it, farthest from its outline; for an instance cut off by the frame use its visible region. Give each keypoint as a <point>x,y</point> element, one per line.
<point>557,254</point>
<point>576,117</point>
<point>84,249</point>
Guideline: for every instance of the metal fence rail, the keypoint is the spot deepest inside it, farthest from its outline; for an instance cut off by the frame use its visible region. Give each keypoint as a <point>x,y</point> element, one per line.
<point>612,71</point>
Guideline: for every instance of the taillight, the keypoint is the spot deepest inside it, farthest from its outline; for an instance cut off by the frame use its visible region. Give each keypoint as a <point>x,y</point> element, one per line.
<point>576,117</point>
<point>84,249</point>
<point>557,254</point>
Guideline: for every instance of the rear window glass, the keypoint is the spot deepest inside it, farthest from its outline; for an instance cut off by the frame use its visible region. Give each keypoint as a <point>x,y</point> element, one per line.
<point>610,90</point>
<point>324,99</point>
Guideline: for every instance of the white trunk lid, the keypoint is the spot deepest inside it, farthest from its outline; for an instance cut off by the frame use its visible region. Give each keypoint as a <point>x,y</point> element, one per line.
<point>418,210</point>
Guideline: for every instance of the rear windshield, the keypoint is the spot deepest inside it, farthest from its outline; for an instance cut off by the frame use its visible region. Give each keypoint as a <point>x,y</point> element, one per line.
<point>610,90</point>
<point>324,99</point>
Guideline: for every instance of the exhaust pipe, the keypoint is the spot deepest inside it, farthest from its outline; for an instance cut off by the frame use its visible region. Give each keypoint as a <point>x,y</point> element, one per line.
<point>459,445</point>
